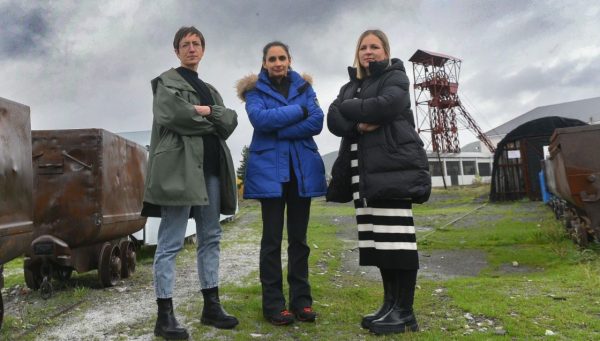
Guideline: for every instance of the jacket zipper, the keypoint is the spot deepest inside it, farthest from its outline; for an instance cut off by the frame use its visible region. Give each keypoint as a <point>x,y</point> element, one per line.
<point>362,178</point>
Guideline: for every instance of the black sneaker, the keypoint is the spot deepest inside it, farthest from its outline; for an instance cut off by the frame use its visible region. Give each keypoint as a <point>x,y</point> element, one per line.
<point>307,314</point>
<point>283,318</point>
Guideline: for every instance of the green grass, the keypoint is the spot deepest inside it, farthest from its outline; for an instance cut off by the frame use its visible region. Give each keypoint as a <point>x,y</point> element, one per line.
<point>560,292</point>
<point>557,289</point>
<point>13,272</point>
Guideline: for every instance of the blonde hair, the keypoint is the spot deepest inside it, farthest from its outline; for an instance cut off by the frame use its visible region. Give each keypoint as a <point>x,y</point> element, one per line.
<point>360,71</point>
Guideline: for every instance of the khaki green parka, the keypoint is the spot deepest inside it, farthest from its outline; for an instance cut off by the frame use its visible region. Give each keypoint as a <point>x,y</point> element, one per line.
<point>175,175</point>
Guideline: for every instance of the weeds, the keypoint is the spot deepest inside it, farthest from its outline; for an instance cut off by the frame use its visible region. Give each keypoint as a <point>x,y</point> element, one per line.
<point>555,286</point>
<point>79,292</point>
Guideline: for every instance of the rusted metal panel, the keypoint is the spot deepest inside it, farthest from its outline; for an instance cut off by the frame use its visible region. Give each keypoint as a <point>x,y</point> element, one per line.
<point>16,213</point>
<point>576,169</point>
<point>88,189</point>
<point>576,163</point>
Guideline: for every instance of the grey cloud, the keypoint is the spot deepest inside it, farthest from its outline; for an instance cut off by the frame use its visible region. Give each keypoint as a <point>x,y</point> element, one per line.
<point>586,77</point>
<point>23,30</point>
<point>100,57</point>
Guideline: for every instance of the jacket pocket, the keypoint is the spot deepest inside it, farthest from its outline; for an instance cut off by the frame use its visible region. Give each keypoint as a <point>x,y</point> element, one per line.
<point>310,159</point>
<point>261,159</point>
<point>261,145</point>
<point>169,141</point>
<point>168,174</point>
<point>388,133</point>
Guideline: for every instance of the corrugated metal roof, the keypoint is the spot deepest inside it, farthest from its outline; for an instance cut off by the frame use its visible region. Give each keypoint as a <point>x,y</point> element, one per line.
<point>474,147</point>
<point>586,110</point>
<point>424,57</point>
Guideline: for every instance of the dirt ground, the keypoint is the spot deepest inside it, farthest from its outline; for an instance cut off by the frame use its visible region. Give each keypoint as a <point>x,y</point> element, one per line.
<point>131,304</point>
<point>434,265</point>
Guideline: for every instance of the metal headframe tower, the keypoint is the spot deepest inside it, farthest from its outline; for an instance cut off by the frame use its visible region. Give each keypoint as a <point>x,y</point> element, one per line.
<point>439,112</point>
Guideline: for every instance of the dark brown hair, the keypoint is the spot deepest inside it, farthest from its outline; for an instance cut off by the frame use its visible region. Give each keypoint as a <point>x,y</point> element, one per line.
<point>184,32</point>
<point>275,43</point>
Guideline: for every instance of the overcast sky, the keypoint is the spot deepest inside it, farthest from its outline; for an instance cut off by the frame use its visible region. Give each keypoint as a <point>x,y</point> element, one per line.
<point>83,64</point>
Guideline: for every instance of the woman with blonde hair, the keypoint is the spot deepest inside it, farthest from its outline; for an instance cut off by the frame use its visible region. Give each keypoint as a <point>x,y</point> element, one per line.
<point>382,166</point>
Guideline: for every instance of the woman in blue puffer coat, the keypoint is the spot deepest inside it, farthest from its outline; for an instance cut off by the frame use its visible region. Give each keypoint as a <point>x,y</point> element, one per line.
<point>284,168</point>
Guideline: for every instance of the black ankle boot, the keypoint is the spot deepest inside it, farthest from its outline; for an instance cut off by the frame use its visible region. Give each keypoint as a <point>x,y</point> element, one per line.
<point>389,287</point>
<point>212,312</point>
<point>397,320</point>
<point>166,324</point>
<point>401,317</point>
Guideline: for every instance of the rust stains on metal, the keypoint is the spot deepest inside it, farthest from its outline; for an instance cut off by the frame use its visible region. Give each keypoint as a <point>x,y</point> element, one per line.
<point>16,207</point>
<point>16,214</point>
<point>88,192</point>
<point>575,172</point>
<point>88,185</point>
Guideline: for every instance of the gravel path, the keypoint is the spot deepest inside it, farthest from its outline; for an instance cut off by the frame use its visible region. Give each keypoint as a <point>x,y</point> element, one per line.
<point>128,310</point>
<point>434,265</point>
<point>105,320</point>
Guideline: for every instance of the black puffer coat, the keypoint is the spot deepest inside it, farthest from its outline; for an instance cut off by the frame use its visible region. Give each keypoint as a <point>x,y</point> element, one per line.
<point>391,159</point>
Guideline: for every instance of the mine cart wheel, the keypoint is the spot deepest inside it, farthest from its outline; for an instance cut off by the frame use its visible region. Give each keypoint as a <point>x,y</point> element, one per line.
<point>109,268</point>
<point>127,259</point>
<point>33,277</point>
<point>63,273</point>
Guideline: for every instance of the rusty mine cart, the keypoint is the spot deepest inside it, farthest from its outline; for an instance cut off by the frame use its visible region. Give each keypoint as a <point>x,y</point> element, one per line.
<point>87,194</point>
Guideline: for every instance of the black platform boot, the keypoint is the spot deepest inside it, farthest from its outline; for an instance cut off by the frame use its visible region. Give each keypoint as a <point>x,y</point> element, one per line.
<point>212,312</point>
<point>401,317</point>
<point>389,279</point>
<point>166,324</point>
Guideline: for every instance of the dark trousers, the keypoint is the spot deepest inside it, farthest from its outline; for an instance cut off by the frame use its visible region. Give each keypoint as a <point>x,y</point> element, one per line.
<point>298,211</point>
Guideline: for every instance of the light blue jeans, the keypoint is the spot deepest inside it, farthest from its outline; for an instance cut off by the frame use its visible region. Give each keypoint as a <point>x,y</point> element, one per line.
<point>171,234</point>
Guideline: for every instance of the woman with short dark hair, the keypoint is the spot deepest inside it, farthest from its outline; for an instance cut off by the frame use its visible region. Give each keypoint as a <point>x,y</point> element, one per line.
<point>190,174</point>
<point>284,169</point>
<point>383,167</point>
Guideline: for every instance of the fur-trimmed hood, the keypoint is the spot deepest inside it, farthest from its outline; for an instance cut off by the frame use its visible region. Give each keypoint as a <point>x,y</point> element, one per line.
<point>248,83</point>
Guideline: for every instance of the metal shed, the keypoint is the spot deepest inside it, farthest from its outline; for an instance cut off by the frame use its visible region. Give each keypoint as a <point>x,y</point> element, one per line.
<point>518,157</point>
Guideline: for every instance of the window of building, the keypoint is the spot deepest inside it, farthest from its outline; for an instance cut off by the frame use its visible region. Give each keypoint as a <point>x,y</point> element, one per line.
<point>435,168</point>
<point>453,167</point>
<point>484,169</point>
<point>468,167</point>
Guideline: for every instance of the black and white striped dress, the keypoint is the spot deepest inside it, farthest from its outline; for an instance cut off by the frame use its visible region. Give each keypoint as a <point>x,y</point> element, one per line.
<point>386,231</point>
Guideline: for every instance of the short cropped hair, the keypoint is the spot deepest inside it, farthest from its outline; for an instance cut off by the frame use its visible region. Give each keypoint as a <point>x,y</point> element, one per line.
<point>184,32</point>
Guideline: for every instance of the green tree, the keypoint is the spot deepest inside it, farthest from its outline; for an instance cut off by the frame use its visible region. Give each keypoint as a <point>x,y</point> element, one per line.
<point>241,171</point>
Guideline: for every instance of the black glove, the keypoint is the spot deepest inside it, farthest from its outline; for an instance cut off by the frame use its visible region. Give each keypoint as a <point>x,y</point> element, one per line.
<point>305,111</point>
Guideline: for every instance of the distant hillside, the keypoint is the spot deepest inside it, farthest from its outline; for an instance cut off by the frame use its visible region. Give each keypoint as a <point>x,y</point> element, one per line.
<point>329,159</point>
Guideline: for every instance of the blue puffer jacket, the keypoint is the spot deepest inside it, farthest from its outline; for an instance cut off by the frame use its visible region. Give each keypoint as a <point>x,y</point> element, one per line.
<point>282,135</point>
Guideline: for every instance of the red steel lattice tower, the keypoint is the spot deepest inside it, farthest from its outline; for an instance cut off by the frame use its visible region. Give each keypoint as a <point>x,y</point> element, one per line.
<point>439,111</point>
